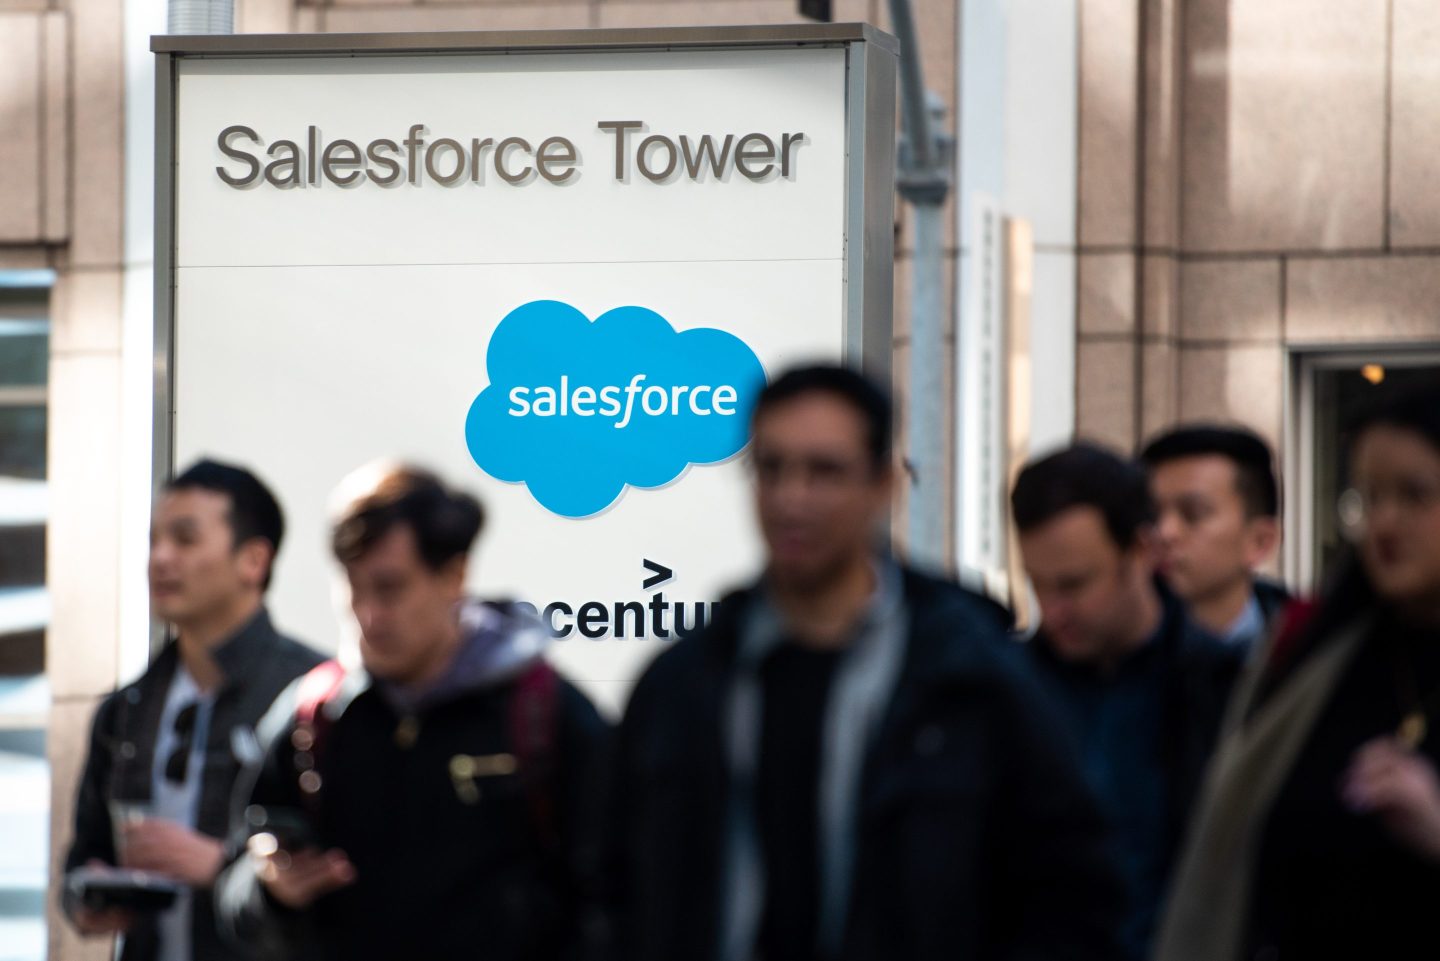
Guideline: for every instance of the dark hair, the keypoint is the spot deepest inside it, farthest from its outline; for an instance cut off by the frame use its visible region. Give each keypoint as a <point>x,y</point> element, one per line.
<point>253,513</point>
<point>1084,475</point>
<point>1413,409</point>
<point>445,522</point>
<point>868,399</point>
<point>1254,470</point>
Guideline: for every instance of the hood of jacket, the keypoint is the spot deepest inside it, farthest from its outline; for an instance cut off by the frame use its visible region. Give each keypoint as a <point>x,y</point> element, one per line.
<point>498,643</point>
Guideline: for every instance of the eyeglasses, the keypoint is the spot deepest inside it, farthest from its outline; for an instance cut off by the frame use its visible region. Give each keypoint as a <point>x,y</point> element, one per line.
<point>819,472</point>
<point>1410,496</point>
<point>177,766</point>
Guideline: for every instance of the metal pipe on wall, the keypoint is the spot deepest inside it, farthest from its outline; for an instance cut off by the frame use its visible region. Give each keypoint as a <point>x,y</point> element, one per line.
<point>925,529</point>
<point>924,181</point>
<point>193,17</point>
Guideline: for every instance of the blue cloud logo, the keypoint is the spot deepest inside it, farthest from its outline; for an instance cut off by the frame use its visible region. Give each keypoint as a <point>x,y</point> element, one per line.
<point>578,409</point>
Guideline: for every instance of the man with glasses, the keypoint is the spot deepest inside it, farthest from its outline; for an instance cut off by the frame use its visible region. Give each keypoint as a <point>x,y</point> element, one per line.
<point>165,751</point>
<point>852,761</point>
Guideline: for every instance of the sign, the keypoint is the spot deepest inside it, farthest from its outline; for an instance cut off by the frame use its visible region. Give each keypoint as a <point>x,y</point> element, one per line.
<point>557,268</point>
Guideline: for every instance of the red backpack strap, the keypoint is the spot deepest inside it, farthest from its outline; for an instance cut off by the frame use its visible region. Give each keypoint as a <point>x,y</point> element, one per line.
<point>534,734</point>
<point>316,689</point>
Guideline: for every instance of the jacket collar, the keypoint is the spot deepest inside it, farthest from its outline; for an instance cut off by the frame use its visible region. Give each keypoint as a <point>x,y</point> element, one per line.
<point>239,657</point>
<point>764,629</point>
<point>1172,638</point>
<point>1272,595</point>
<point>939,612</point>
<point>942,613</point>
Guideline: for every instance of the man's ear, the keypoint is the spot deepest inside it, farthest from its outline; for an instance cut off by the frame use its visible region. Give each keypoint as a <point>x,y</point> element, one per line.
<point>254,558</point>
<point>886,473</point>
<point>1145,551</point>
<point>453,573</point>
<point>885,477</point>
<point>1262,539</point>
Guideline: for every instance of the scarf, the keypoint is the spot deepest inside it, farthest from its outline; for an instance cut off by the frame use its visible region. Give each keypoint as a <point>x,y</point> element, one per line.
<point>1209,903</point>
<point>860,692</point>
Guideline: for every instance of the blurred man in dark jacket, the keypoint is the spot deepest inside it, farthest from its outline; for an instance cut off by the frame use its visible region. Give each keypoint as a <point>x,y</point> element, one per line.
<point>853,761</point>
<point>1143,688</point>
<point>1217,522</point>
<point>433,804</point>
<point>166,750</point>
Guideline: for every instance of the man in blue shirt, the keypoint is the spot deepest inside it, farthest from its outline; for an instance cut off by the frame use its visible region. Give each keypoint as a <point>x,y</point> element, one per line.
<point>1144,690</point>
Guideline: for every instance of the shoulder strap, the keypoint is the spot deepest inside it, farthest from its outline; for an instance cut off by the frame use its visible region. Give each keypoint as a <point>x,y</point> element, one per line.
<point>534,733</point>
<point>318,686</point>
<point>316,689</point>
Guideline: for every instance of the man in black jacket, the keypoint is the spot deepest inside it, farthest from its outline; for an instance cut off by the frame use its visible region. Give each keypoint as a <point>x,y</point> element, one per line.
<point>165,751</point>
<point>1142,687</point>
<point>852,761</point>
<point>434,804</point>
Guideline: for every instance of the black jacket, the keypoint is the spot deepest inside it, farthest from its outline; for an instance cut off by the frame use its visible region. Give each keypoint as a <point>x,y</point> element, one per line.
<point>1330,881</point>
<point>438,876</point>
<point>257,664</point>
<point>1194,673</point>
<point>1273,597</point>
<point>1198,673</point>
<point>978,838</point>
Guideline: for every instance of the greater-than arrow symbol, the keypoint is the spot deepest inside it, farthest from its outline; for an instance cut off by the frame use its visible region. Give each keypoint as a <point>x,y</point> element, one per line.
<point>661,574</point>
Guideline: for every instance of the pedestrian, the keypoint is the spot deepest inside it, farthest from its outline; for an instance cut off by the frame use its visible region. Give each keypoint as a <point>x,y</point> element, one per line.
<point>1143,689</point>
<point>166,750</point>
<point>1319,834</point>
<point>434,803</point>
<point>1218,523</point>
<point>853,760</point>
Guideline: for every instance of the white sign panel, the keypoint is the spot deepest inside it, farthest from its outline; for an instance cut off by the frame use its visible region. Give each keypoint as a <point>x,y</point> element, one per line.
<point>558,278</point>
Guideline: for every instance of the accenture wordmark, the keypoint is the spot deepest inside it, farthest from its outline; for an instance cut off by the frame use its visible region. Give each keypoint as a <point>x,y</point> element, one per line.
<point>621,620</point>
<point>450,161</point>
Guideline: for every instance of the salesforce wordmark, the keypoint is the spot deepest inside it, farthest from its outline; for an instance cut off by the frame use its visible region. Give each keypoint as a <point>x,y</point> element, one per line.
<point>655,400</point>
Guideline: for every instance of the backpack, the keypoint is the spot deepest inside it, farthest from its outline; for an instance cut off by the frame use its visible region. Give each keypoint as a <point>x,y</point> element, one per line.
<point>532,724</point>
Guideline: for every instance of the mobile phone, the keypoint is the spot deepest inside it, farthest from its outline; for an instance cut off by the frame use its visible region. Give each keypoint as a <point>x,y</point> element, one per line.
<point>108,888</point>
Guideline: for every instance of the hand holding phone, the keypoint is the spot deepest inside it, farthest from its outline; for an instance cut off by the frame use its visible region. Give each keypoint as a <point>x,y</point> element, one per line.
<point>108,896</point>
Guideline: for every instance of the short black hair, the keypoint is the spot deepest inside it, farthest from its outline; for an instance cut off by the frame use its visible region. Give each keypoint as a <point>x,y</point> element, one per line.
<point>1254,465</point>
<point>1085,475</point>
<point>254,511</point>
<point>868,398</point>
<point>445,522</point>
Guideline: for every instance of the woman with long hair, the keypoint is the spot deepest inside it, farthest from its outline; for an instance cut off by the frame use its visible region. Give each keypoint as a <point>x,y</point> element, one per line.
<point>1318,832</point>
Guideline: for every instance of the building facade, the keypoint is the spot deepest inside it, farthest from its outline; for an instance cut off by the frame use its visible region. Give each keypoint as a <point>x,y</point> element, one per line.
<point>1161,210</point>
